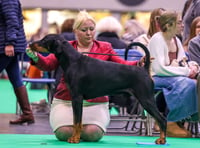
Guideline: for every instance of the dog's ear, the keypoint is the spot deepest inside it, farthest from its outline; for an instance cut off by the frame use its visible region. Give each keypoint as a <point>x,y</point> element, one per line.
<point>54,43</point>
<point>61,43</point>
<point>58,46</point>
<point>51,42</point>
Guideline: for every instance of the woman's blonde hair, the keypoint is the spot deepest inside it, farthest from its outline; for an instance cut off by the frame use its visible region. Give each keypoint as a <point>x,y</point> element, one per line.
<point>82,17</point>
<point>167,17</point>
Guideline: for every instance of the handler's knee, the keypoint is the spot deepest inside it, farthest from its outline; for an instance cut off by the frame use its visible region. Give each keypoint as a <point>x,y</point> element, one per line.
<point>92,133</point>
<point>63,133</point>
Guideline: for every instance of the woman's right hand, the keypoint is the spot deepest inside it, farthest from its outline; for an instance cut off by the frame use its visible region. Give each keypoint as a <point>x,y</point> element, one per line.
<point>193,71</point>
<point>32,54</point>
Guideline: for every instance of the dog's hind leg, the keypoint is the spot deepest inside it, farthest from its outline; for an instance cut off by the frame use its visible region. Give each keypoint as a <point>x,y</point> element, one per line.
<point>150,106</point>
<point>77,106</point>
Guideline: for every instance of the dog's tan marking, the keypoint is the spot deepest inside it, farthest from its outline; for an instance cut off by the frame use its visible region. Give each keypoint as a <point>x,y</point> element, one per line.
<point>75,138</point>
<point>162,139</point>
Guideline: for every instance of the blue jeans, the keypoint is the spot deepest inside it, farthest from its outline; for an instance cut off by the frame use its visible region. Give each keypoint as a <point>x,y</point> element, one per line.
<point>180,94</point>
<point>11,65</point>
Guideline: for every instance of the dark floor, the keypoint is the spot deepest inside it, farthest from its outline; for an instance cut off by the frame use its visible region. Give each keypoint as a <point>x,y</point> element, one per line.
<point>116,127</point>
<point>41,126</point>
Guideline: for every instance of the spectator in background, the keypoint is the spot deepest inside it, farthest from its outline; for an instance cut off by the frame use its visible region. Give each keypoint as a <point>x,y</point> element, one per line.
<point>153,28</point>
<point>185,7</point>
<point>32,71</point>
<point>194,31</point>
<point>40,33</point>
<point>109,29</point>
<point>179,28</point>
<point>54,28</point>
<point>67,29</point>
<point>194,46</point>
<point>173,79</point>
<point>192,12</point>
<point>194,54</point>
<point>132,29</point>
<point>12,45</point>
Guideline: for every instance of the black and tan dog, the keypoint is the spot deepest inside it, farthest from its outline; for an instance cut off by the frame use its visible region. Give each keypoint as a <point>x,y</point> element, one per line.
<point>90,78</point>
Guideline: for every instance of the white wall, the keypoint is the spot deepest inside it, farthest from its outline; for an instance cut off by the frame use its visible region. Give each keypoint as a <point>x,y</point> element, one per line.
<point>113,5</point>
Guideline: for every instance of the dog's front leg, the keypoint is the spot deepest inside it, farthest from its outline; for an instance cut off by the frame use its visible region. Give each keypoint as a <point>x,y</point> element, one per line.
<point>77,106</point>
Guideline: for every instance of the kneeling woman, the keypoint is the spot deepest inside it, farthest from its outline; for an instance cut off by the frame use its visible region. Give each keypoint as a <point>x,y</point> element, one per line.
<point>96,115</point>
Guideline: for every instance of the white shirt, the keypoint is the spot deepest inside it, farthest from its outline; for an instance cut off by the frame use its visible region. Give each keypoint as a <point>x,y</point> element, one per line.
<point>160,65</point>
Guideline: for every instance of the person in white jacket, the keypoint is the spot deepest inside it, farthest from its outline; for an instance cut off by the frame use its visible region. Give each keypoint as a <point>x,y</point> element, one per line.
<point>172,76</point>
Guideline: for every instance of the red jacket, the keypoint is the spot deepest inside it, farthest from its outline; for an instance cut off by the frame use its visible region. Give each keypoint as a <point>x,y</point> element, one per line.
<point>50,63</point>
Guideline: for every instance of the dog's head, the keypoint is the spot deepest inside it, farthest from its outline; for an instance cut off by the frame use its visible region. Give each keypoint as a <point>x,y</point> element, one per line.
<point>48,44</point>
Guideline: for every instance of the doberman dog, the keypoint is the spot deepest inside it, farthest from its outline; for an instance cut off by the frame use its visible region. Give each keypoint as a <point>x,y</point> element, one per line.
<point>89,78</point>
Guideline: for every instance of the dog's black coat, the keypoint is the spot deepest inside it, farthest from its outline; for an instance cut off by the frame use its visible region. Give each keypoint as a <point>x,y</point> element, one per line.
<point>89,78</point>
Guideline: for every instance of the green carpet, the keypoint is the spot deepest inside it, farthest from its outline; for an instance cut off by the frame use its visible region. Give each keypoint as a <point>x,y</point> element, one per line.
<point>8,99</point>
<point>49,141</point>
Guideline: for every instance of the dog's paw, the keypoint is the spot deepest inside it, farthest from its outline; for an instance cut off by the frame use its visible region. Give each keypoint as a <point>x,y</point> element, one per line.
<point>160,141</point>
<point>74,139</point>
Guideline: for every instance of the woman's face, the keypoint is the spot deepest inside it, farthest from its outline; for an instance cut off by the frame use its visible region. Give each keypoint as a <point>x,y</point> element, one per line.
<point>86,32</point>
<point>197,31</point>
<point>179,25</point>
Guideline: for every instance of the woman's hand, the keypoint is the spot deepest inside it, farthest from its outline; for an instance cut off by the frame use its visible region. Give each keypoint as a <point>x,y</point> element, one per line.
<point>141,62</point>
<point>9,50</point>
<point>32,54</point>
<point>194,70</point>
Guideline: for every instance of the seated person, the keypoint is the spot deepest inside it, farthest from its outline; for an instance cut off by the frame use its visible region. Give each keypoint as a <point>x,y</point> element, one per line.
<point>177,82</point>
<point>194,48</point>
<point>109,30</point>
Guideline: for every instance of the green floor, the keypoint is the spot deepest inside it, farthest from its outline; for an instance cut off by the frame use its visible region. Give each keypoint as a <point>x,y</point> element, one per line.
<point>49,141</point>
<point>8,99</point>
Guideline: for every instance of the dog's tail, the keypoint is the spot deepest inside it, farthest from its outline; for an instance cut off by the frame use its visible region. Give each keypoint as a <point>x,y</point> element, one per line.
<point>147,53</point>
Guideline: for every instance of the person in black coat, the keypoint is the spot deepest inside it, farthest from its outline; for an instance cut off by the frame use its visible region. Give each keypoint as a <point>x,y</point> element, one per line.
<point>109,29</point>
<point>12,44</point>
